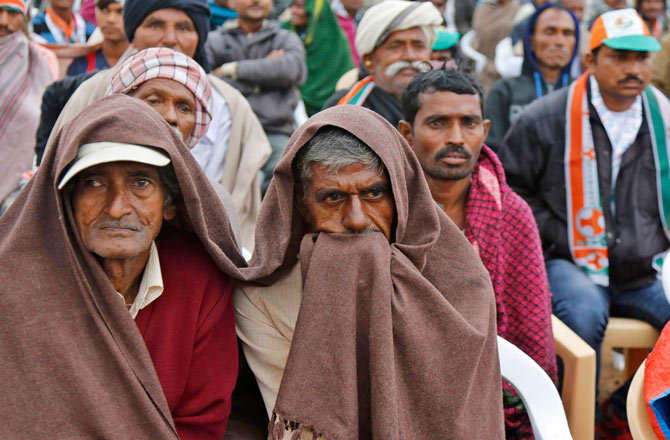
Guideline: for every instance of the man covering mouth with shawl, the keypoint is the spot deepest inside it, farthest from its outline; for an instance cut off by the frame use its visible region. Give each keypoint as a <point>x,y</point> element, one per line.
<point>379,320</point>
<point>24,74</point>
<point>394,40</point>
<point>117,322</point>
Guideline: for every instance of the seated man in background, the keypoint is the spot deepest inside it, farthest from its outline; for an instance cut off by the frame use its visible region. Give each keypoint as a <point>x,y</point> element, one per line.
<point>266,64</point>
<point>349,211</point>
<point>445,128</point>
<point>234,147</point>
<point>550,45</point>
<point>602,215</point>
<point>25,73</point>
<point>394,41</point>
<point>109,14</point>
<point>60,25</point>
<point>653,13</point>
<point>136,335</point>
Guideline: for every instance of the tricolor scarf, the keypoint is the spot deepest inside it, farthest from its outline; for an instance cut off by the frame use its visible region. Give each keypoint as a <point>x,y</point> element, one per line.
<point>64,33</point>
<point>359,92</point>
<point>586,222</point>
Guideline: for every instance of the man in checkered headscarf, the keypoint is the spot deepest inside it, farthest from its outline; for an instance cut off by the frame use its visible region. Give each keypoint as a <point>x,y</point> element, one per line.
<point>173,84</point>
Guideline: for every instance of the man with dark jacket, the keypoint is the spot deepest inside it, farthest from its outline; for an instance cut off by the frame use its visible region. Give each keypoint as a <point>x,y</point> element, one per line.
<point>602,215</point>
<point>265,63</point>
<point>550,45</point>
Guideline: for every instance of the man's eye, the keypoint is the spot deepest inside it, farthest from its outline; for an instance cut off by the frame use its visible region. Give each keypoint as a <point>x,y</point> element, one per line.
<point>333,197</point>
<point>184,108</point>
<point>142,183</point>
<point>152,101</point>
<point>374,194</point>
<point>92,183</point>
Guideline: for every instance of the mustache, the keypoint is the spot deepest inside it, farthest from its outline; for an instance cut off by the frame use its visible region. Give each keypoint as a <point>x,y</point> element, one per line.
<point>4,28</point>
<point>631,78</point>
<point>117,224</point>
<point>419,66</point>
<point>453,148</point>
<point>176,131</point>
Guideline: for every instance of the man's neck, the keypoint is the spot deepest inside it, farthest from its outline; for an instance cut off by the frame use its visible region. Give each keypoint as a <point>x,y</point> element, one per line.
<point>549,74</point>
<point>64,14</point>
<point>112,50</point>
<point>250,26</point>
<point>451,195</point>
<point>352,13</point>
<point>126,274</point>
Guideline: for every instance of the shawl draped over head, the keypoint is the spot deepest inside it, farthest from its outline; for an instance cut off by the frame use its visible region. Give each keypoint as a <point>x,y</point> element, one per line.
<point>395,15</point>
<point>72,362</point>
<point>161,62</point>
<point>24,75</point>
<point>327,54</point>
<point>393,340</point>
<point>135,11</point>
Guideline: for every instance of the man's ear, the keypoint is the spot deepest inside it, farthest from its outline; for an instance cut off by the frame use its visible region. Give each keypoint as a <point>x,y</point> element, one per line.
<point>487,127</point>
<point>169,212</point>
<point>589,61</point>
<point>405,129</point>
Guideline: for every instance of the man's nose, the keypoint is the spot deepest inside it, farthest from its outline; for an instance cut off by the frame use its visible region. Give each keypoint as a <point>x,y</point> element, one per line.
<point>355,219</point>
<point>454,134</point>
<point>170,114</point>
<point>118,203</point>
<point>4,17</point>
<point>169,38</point>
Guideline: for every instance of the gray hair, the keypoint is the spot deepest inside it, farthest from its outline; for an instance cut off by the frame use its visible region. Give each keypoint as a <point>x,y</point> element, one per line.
<point>334,148</point>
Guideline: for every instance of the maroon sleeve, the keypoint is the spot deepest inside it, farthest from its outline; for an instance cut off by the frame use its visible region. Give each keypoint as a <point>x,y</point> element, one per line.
<point>204,407</point>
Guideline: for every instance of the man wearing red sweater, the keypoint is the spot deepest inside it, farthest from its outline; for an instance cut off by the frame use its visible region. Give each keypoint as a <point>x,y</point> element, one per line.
<point>122,195</point>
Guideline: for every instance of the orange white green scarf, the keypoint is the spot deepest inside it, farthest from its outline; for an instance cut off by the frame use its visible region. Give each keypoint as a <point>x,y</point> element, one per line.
<point>586,222</point>
<point>359,92</point>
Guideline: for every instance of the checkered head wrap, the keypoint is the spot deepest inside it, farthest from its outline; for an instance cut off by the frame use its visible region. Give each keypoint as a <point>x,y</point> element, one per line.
<point>19,5</point>
<point>161,62</point>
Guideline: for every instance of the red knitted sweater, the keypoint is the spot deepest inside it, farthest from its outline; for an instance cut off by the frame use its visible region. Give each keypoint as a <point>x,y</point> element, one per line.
<point>190,334</point>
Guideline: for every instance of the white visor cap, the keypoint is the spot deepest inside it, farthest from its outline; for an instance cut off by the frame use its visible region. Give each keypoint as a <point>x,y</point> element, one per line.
<point>96,153</point>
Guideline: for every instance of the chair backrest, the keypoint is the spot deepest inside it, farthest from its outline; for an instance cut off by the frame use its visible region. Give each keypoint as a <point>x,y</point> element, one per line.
<point>470,52</point>
<point>537,391</point>
<point>636,408</point>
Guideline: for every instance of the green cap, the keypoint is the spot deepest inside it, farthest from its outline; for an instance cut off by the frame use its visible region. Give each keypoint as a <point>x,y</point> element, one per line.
<point>446,40</point>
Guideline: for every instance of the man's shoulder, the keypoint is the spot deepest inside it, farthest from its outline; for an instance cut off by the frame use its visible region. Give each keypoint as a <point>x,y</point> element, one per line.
<point>184,251</point>
<point>280,300</point>
<point>335,98</point>
<point>549,108</point>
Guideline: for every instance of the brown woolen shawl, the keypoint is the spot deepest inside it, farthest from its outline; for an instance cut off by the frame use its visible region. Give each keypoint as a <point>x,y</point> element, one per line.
<point>393,341</point>
<point>72,361</point>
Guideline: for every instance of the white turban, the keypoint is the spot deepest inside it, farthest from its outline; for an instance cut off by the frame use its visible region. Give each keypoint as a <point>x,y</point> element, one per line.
<point>395,15</point>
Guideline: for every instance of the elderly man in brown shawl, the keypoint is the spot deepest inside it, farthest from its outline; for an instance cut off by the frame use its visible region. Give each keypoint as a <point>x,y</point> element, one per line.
<point>116,291</point>
<point>379,320</point>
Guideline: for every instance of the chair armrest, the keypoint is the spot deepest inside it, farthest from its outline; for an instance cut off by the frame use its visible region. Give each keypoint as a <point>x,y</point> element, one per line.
<point>579,379</point>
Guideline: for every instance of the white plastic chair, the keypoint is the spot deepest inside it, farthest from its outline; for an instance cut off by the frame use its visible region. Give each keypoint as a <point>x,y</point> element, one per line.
<point>468,51</point>
<point>537,391</point>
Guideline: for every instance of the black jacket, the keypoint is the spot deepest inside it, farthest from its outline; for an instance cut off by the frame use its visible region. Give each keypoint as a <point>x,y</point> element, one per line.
<point>53,101</point>
<point>533,156</point>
